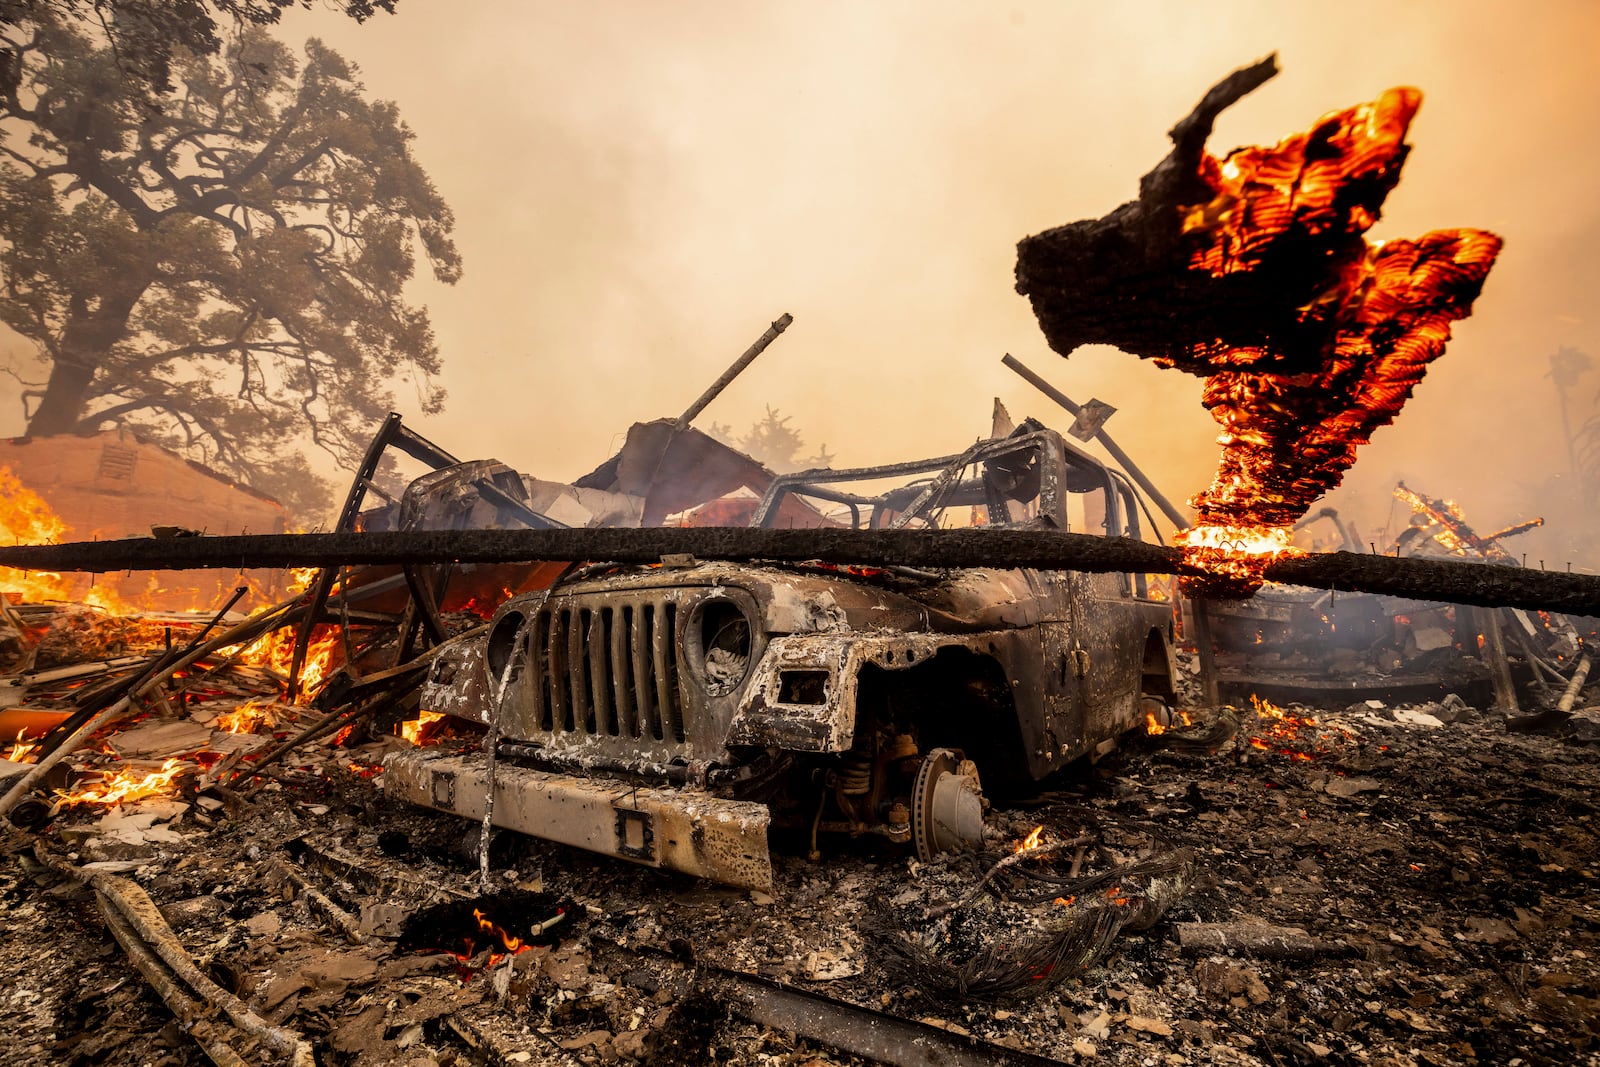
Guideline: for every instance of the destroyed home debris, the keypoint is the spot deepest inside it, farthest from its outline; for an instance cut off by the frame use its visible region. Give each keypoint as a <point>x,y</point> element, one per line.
<point>1252,271</point>
<point>1298,643</point>
<point>662,970</point>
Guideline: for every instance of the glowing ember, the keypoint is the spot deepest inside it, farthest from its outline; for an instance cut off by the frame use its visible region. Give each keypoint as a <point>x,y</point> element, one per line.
<point>1282,731</point>
<point>126,785</point>
<point>1029,843</point>
<point>416,730</point>
<point>22,750</point>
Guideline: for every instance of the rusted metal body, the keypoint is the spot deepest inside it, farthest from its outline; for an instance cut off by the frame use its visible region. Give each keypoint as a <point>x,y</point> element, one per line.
<point>816,691</point>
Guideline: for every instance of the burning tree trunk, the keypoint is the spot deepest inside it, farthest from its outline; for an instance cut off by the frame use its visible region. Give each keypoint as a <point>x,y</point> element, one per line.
<point>1253,272</point>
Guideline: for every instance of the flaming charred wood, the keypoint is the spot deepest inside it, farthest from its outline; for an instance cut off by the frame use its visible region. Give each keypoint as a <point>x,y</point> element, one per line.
<point>1425,579</point>
<point>1252,271</point>
<point>248,630</point>
<point>1118,279</point>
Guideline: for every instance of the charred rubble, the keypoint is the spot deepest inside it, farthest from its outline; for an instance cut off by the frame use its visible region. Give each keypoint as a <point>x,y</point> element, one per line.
<point>1378,880</point>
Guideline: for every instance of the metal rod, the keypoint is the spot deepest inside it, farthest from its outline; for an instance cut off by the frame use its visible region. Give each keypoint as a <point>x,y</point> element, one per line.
<point>1174,516</point>
<point>750,354</point>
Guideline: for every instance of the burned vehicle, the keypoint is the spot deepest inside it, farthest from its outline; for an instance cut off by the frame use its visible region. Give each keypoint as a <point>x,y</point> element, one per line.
<point>671,714</point>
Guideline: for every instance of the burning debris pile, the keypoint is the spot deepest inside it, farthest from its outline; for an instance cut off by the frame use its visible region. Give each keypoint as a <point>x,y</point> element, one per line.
<point>216,802</point>
<point>1252,271</point>
<point>1305,644</point>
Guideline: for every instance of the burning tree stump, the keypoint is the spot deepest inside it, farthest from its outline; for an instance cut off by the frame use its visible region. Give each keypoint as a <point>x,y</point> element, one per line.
<point>1253,272</point>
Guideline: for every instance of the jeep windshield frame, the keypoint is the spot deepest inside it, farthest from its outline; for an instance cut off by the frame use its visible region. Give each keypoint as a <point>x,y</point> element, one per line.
<point>1023,481</point>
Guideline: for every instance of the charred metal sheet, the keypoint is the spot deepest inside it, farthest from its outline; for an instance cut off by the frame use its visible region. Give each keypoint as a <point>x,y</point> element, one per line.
<point>722,840</point>
<point>457,683</point>
<point>803,696</point>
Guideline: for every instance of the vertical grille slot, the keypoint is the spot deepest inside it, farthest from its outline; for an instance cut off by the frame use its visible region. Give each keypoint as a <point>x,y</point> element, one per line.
<point>578,671</point>
<point>623,672</point>
<point>600,681</point>
<point>538,660</point>
<point>664,650</point>
<point>659,697</point>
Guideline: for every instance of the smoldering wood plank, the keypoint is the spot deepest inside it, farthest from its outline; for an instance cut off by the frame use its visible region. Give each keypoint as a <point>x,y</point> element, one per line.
<point>1450,581</point>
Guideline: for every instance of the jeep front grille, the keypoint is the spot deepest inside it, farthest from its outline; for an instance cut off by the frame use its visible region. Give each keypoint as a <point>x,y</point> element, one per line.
<point>607,670</point>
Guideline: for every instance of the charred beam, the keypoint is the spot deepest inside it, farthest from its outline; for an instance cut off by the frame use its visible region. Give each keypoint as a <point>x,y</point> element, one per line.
<point>1456,582</point>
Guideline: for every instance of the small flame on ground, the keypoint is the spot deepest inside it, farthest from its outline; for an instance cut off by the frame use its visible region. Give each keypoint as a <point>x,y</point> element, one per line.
<point>126,785</point>
<point>512,945</point>
<point>21,751</point>
<point>1280,729</point>
<point>413,730</point>
<point>275,651</point>
<point>1031,842</point>
<point>1178,720</point>
<point>247,717</point>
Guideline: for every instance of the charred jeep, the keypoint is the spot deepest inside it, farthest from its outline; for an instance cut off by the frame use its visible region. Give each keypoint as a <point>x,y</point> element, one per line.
<point>671,714</point>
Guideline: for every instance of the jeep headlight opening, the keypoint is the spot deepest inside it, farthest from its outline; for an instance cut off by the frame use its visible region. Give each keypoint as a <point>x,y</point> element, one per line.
<point>501,646</point>
<point>720,644</point>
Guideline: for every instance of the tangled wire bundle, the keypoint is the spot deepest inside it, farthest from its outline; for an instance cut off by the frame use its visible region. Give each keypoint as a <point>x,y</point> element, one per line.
<point>1076,931</point>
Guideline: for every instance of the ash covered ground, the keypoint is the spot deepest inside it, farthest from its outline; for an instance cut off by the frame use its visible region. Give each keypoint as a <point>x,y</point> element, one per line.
<point>1442,868</point>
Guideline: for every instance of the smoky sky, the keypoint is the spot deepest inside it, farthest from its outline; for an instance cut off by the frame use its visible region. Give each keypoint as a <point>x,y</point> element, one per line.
<point>640,188</point>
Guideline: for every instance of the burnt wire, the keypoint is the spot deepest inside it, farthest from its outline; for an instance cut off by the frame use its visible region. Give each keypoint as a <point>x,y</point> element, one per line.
<point>1032,950</point>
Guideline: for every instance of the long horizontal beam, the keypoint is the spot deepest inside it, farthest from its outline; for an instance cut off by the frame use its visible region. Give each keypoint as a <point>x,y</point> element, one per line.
<point>1424,579</point>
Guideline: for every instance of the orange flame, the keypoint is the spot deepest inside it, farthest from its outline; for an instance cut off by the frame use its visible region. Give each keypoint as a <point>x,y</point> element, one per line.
<point>126,785</point>
<point>414,730</point>
<point>1031,842</point>
<point>512,945</point>
<point>275,651</point>
<point>21,751</point>
<point>1294,410</point>
<point>25,519</point>
<point>248,718</point>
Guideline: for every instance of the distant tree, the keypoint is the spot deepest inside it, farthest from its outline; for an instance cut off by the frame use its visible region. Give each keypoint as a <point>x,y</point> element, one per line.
<point>145,34</point>
<point>224,274</point>
<point>773,442</point>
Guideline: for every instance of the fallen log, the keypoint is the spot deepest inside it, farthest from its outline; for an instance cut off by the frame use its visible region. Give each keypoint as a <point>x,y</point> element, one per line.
<point>1257,940</point>
<point>155,950</point>
<point>1451,581</point>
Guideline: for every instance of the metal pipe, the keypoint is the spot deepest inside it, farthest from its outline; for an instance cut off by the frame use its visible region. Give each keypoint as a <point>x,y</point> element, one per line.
<point>750,354</point>
<point>1174,516</point>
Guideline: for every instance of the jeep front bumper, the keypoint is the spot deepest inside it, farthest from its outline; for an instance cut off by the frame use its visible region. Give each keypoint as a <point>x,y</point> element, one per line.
<point>723,840</point>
